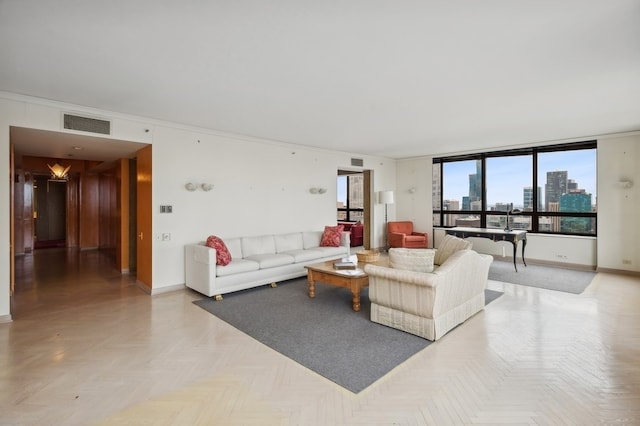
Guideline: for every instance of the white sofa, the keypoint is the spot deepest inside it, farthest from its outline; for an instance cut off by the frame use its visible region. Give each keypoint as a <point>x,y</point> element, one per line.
<point>256,260</point>
<point>429,304</point>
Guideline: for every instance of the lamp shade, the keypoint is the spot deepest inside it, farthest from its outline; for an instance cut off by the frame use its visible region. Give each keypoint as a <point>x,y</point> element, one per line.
<point>385,197</point>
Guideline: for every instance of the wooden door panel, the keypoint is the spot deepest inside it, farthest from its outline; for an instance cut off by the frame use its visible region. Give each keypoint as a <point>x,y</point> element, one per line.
<point>143,217</point>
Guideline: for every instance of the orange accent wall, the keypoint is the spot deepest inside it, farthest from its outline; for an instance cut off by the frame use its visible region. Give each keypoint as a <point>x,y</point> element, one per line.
<point>122,211</point>
<point>144,264</point>
<point>73,212</point>
<point>108,206</point>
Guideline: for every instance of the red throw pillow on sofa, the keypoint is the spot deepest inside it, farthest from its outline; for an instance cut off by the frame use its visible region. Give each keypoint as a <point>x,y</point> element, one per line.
<point>223,256</point>
<point>331,236</point>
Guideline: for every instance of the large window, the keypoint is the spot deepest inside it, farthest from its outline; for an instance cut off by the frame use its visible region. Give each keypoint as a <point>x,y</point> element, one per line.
<point>548,189</point>
<point>351,197</point>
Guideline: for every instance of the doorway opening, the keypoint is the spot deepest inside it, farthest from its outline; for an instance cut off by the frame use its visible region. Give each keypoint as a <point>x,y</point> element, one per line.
<point>90,215</point>
<point>354,205</point>
<point>49,213</point>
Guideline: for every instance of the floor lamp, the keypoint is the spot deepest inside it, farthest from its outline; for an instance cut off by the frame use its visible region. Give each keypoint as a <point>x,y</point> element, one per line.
<point>386,198</point>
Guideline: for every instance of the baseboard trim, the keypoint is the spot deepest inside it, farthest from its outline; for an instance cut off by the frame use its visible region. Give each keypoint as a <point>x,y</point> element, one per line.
<point>169,289</point>
<point>5,318</point>
<point>619,271</point>
<point>143,287</point>
<point>575,266</point>
<point>162,290</point>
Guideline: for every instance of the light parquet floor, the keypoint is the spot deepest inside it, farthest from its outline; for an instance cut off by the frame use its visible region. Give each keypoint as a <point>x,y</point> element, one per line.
<point>88,347</point>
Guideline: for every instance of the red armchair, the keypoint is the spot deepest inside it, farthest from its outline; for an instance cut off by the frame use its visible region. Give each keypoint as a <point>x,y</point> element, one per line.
<point>401,234</point>
<point>357,232</point>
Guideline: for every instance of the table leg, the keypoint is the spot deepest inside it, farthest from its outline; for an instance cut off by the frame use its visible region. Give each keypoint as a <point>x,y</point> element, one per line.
<point>515,247</point>
<point>356,299</point>
<point>312,285</point>
<point>524,244</point>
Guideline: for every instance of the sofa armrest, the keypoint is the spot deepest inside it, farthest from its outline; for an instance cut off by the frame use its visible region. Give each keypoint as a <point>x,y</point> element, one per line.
<point>200,268</point>
<point>396,239</point>
<point>467,274</point>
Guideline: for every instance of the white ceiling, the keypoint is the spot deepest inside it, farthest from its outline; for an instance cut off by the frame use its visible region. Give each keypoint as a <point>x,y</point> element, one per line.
<point>377,77</point>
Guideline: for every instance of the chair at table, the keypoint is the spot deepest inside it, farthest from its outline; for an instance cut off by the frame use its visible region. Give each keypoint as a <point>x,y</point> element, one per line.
<point>401,234</point>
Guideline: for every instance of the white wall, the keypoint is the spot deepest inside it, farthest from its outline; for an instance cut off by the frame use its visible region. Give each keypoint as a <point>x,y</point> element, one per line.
<point>260,187</point>
<point>413,194</point>
<point>618,229</point>
<point>618,225</point>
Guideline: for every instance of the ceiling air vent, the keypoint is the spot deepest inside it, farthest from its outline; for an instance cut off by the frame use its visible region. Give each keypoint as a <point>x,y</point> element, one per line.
<point>86,124</point>
<point>357,162</point>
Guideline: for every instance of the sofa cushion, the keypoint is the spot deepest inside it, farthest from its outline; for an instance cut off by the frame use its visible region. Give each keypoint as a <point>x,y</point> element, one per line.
<point>223,256</point>
<point>450,245</point>
<point>288,242</point>
<point>418,260</point>
<point>311,239</point>
<point>264,244</point>
<point>331,236</point>
<point>237,266</point>
<point>331,251</point>
<point>304,255</point>
<point>270,260</point>
<point>235,247</point>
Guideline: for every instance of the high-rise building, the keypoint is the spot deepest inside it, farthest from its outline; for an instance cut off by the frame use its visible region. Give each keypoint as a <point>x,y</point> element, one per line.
<point>576,201</point>
<point>466,204</point>
<point>475,187</point>
<point>451,205</point>
<point>554,220</point>
<point>449,220</point>
<point>503,207</point>
<point>572,185</point>
<point>527,198</point>
<point>436,188</point>
<point>356,191</point>
<point>557,184</point>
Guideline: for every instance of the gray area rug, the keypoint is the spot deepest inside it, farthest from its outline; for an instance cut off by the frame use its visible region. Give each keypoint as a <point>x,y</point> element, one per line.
<point>547,277</point>
<point>323,334</point>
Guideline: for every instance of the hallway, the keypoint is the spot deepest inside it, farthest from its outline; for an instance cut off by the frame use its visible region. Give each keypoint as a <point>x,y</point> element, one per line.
<point>66,279</point>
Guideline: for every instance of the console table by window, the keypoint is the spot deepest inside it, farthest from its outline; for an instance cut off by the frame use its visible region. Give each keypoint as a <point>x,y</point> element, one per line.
<point>513,236</point>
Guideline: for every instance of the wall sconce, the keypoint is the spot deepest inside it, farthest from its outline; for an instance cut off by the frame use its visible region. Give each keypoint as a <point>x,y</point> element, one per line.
<point>59,172</point>
<point>190,186</point>
<point>317,190</point>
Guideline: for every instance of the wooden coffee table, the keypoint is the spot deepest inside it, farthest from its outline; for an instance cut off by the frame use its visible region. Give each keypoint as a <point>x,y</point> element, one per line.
<point>352,279</point>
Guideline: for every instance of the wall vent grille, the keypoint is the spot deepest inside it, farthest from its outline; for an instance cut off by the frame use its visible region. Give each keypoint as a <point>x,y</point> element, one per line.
<point>86,124</point>
<point>357,162</point>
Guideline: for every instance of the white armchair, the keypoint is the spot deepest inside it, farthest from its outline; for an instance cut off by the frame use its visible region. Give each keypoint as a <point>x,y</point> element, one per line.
<point>429,304</point>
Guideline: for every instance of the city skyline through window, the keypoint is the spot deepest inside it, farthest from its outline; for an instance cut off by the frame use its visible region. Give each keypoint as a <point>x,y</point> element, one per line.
<point>507,177</point>
<point>553,188</point>
<point>350,197</point>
